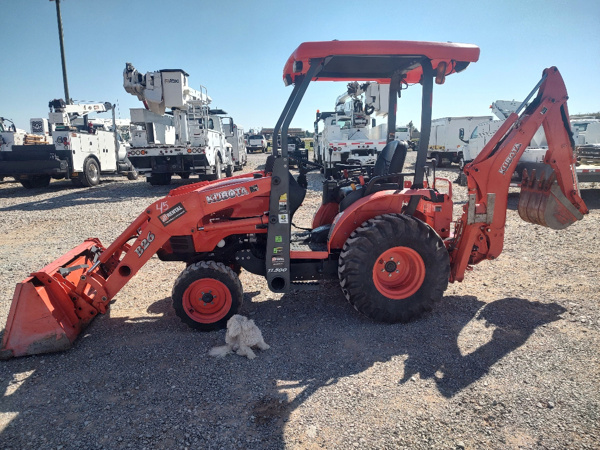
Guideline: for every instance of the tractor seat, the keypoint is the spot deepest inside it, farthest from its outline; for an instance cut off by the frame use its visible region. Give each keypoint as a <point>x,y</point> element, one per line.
<point>389,161</point>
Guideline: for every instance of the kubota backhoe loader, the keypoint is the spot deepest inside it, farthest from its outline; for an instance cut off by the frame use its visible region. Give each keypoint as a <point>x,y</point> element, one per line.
<point>389,237</point>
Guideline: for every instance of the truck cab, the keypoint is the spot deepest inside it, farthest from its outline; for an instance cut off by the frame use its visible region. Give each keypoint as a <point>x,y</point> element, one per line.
<point>235,137</point>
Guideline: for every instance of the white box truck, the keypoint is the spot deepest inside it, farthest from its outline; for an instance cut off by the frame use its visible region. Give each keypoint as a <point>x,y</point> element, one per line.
<point>448,135</point>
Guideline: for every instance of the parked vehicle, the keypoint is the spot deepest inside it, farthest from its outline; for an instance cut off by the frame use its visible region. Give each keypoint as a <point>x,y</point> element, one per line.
<point>448,135</point>
<point>63,147</point>
<point>190,140</point>
<point>346,135</point>
<point>235,137</point>
<point>257,143</point>
<point>296,148</point>
<point>586,135</point>
<point>485,130</point>
<point>587,140</point>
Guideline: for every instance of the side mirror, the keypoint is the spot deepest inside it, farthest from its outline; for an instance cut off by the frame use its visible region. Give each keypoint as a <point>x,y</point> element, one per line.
<point>461,135</point>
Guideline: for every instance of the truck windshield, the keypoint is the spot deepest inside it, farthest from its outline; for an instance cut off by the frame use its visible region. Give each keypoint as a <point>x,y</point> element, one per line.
<point>474,133</point>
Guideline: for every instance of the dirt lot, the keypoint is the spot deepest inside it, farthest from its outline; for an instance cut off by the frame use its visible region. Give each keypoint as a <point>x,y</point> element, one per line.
<point>509,359</point>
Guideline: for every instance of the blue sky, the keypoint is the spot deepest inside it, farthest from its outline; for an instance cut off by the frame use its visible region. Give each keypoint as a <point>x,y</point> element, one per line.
<point>237,49</point>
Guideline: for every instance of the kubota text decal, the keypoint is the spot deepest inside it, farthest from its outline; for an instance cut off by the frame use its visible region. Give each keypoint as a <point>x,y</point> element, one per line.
<point>226,195</point>
<point>509,158</point>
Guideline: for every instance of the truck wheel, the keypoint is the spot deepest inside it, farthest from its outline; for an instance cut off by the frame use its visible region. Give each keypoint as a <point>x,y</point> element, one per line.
<point>160,179</point>
<point>91,173</point>
<point>132,175</point>
<point>439,161</point>
<point>393,268</point>
<point>184,175</point>
<point>461,163</point>
<point>229,171</point>
<point>36,181</point>
<point>206,295</point>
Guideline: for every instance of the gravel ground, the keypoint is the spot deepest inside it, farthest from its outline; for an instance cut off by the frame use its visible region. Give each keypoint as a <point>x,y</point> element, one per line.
<point>508,359</point>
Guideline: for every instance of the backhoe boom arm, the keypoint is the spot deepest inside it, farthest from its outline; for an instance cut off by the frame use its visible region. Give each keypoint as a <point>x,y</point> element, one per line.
<point>551,201</point>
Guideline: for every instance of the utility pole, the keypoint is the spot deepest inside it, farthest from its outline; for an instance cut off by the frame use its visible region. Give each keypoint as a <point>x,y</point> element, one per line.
<point>62,52</point>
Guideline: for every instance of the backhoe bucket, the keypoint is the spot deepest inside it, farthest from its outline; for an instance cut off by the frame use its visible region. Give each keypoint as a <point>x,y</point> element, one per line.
<point>52,306</point>
<point>542,202</point>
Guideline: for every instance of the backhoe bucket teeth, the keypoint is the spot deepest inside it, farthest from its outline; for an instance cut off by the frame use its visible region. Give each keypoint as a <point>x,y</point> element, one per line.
<point>51,307</point>
<point>543,203</point>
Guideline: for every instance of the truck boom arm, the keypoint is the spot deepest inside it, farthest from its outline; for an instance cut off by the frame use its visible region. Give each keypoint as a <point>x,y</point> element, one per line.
<point>152,89</point>
<point>551,201</point>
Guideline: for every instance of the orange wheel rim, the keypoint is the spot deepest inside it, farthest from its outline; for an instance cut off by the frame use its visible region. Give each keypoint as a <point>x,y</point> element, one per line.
<point>207,300</point>
<point>399,272</point>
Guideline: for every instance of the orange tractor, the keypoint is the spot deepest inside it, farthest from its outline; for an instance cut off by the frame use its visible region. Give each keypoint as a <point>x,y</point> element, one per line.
<point>388,236</point>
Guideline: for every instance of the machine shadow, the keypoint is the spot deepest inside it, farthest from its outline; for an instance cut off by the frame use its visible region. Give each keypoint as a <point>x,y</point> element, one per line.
<point>133,369</point>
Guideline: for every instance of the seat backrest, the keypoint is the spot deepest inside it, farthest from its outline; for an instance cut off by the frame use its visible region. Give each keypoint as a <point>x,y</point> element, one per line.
<point>391,159</point>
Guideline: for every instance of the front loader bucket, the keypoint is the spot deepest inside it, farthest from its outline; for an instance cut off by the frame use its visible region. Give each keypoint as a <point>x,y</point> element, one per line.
<point>542,202</point>
<point>48,310</point>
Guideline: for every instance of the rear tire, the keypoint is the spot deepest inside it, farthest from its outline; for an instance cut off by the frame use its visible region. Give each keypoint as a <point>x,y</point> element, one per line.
<point>229,171</point>
<point>393,268</point>
<point>206,295</point>
<point>36,181</point>
<point>439,161</point>
<point>91,173</point>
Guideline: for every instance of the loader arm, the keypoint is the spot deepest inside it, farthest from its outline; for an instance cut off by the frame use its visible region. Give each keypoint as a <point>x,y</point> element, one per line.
<point>51,307</point>
<point>551,201</point>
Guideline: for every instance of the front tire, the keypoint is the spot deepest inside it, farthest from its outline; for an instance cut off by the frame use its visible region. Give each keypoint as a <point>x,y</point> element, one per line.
<point>91,173</point>
<point>393,268</point>
<point>206,295</point>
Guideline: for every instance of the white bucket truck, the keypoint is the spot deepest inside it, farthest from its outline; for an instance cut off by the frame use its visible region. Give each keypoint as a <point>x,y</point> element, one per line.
<point>586,135</point>
<point>63,147</point>
<point>345,138</point>
<point>188,140</point>
<point>448,135</point>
